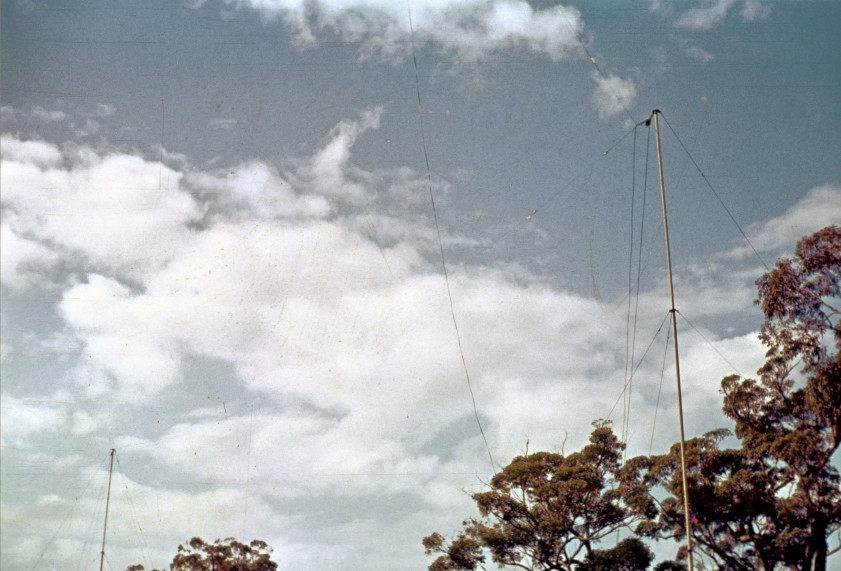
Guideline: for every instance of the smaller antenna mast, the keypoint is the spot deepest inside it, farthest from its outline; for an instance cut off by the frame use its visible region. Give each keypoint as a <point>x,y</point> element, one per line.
<point>107,502</point>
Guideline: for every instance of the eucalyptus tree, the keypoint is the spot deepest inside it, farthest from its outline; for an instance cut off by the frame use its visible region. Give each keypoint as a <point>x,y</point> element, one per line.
<point>549,511</point>
<point>773,502</point>
<point>221,555</point>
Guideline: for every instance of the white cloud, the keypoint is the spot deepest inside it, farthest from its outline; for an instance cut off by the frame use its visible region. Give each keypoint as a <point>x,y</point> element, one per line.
<point>290,454</point>
<point>307,309</point>
<point>110,209</point>
<point>87,129</point>
<point>119,347</point>
<point>39,153</point>
<point>22,260</point>
<point>702,365</point>
<point>84,423</point>
<point>755,10</point>
<point>711,14</point>
<point>818,209</point>
<point>254,189</point>
<point>334,316</point>
<point>372,357</point>
<point>471,30</point>
<point>103,110</point>
<point>145,524</point>
<point>23,418</point>
<point>312,310</point>
<point>613,94</point>
<point>699,55</point>
<point>327,171</point>
<point>661,6</point>
<point>47,115</point>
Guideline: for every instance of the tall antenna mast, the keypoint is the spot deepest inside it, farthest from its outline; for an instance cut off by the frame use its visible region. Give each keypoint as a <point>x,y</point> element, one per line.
<point>688,522</point>
<point>107,502</point>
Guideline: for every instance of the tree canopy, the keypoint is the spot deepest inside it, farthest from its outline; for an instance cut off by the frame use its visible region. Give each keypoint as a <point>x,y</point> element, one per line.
<point>773,502</point>
<point>221,555</point>
<point>549,511</point>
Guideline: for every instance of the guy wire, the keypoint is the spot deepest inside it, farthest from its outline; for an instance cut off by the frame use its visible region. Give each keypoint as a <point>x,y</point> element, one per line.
<point>708,342</point>
<point>598,68</point>
<point>639,274</point>
<point>144,547</point>
<point>628,352</point>
<point>710,186</point>
<point>659,390</point>
<point>66,518</point>
<point>441,243</point>
<point>631,330</point>
<point>639,363</point>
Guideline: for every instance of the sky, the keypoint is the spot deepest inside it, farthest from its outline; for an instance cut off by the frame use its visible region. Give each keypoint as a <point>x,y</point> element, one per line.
<point>273,251</point>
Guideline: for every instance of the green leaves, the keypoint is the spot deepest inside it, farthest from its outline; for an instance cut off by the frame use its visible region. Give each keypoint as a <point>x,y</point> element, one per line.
<point>630,554</point>
<point>800,300</point>
<point>546,511</point>
<point>774,501</point>
<point>793,418</point>
<point>770,503</point>
<point>227,555</point>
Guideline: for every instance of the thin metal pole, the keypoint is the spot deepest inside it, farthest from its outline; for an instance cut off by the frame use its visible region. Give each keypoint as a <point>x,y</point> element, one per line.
<point>673,312</point>
<point>107,502</point>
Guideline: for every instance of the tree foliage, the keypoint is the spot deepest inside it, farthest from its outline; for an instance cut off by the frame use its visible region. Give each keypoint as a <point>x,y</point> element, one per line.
<point>770,504</point>
<point>630,554</point>
<point>733,501</point>
<point>773,502</point>
<point>791,417</point>
<point>549,511</point>
<point>221,555</point>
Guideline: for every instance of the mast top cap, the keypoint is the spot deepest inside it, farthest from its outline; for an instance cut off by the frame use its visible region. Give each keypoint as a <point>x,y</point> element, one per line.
<point>647,122</point>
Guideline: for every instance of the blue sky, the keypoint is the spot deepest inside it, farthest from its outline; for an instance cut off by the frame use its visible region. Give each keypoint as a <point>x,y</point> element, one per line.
<point>219,254</point>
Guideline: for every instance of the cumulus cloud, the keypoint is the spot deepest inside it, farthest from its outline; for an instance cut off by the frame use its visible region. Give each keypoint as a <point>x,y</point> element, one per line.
<point>96,206</point>
<point>706,17</point>
<point>39,153</point>
<point>472,30</point>
<point>613,94</point>
<point>21,260</point>
<point>294,452</point>
<point>253,188</point>
<point>252,267</point>
<point>123,359</point>
<point>245,266</point>
<point>818,209</point>
<point>327,171</point>
<point>330,310</point>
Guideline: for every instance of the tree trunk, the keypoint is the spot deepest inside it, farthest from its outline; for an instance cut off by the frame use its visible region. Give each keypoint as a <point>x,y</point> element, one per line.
<point>818,543</point>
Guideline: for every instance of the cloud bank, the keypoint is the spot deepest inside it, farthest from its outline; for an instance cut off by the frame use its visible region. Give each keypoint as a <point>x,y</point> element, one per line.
<point>320,291</point>
<point>472,30</point>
